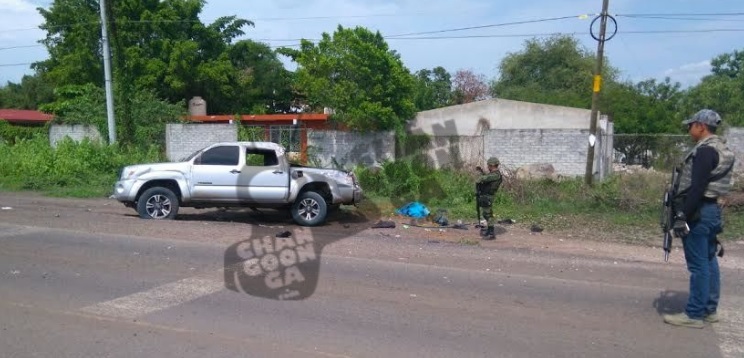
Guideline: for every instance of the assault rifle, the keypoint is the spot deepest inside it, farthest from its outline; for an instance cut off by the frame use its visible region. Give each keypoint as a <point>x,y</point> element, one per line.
<point>667,213</point>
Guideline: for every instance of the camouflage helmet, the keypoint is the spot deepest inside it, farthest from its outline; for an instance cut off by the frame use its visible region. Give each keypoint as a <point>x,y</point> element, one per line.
<point>493,161</point>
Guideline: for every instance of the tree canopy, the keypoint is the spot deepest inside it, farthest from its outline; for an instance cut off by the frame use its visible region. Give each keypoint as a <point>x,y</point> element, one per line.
<point>722,90</point>
<point>555,70</point>
<point>354,73</point>
<point>163,46</point>
<point>432,88</point>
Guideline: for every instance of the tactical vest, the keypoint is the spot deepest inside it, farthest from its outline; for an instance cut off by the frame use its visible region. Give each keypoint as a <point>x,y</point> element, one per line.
<point>490,183</point>
<point>721,175</point>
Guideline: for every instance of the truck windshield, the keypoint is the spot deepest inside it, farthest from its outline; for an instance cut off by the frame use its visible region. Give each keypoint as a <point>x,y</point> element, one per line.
<point>191,156</point>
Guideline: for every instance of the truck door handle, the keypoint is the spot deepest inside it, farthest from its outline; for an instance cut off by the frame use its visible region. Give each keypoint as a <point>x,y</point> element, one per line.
<point>235,171</point>
<point>278,172</point>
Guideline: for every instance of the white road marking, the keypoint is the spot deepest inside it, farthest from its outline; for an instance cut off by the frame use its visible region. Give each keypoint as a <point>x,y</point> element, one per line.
<point>158,298</point>
<point>730,329</point>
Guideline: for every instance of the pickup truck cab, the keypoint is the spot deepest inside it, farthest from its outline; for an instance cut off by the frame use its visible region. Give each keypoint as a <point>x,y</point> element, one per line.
<point>236,174</point>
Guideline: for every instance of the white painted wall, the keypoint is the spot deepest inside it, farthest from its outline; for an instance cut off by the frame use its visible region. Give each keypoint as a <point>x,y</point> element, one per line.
<point>477,117</point>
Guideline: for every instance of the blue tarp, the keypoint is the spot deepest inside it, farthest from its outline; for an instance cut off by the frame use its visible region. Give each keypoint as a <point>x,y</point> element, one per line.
<point>414,209</point>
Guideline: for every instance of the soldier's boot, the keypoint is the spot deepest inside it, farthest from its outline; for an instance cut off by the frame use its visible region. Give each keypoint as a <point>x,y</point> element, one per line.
<point>490,234</point>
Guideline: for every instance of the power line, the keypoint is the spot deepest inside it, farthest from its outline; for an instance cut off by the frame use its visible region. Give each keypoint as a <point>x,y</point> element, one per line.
<point>680,18</point>
<point>626,32</point>
<point>486,26</point>
<point>17,47</point>
<point>16,64</point>
<point>687,14</point>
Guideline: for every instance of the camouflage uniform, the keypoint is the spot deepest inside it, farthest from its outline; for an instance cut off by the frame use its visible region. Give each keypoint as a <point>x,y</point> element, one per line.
<point>487,185</point>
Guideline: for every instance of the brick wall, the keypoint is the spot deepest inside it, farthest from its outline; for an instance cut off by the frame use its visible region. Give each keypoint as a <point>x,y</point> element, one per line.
<point>348,149</point>
<point>183,139</point>
<point>76,132</point>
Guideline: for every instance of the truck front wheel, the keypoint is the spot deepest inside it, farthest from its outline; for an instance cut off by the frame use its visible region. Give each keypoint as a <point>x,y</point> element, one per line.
<point>309,209</point>
<point>157,203</point>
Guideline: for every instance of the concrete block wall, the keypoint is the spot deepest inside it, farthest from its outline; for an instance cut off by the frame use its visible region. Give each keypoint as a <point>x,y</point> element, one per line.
<point>735,140</point>
<point>183,139</point>
<point>76,132</point>
<point>565,149</point>
<point>453,152</point>
<point>349,149</point>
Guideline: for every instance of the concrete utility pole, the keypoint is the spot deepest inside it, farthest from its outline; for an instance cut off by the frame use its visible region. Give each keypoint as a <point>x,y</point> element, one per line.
<point>589,176</point>
<point>107,75</point>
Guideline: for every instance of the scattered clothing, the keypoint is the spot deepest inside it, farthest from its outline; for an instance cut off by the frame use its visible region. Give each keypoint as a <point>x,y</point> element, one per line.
<point>414,209</point>
<point>382,224</point>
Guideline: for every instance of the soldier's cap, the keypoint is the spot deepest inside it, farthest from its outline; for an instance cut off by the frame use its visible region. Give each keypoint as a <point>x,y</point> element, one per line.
<point>493,161</point>
<point>704,116</point>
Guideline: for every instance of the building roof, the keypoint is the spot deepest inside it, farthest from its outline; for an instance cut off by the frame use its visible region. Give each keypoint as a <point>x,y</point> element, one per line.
<point>261,117</point>
<point>24,116</point>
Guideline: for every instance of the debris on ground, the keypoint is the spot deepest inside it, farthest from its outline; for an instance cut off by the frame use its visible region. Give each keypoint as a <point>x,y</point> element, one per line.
<point>506,222</point>
<point>384,224</point>
<point>441,217</point>
<point>414,209</point>
<point>535,228</point>
<point>284,234</point>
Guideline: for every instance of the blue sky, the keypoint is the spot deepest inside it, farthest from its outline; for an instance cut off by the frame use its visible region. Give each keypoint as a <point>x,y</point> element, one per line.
<point>637,53</point>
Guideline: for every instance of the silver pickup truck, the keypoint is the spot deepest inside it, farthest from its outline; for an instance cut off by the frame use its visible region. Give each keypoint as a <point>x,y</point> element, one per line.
<point>236,174</point>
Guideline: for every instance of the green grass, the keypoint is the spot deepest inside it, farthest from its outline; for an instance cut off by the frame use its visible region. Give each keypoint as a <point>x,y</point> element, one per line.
<point>624,208</point>
<point>71,169</point>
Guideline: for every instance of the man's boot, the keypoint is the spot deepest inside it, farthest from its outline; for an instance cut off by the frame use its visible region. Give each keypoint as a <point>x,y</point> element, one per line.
<point>490,234</point>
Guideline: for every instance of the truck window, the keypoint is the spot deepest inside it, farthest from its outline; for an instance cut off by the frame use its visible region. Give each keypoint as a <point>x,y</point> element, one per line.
<point>260,158</point>
<point>222,155</point>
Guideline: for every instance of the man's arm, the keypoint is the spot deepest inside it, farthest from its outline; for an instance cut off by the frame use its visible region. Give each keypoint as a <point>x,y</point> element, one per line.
<point>706,159</point>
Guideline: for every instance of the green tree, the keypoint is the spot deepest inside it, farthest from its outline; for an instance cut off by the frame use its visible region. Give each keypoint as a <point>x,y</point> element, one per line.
<point>163,46</point>
<point>355,73</point>
<point>29,94</point>
<point>722,90</point>
<point>647,107</point>
<point>556,70</point>
<point>86,104</point>
<point>432,89</point>
<point>268,84</point>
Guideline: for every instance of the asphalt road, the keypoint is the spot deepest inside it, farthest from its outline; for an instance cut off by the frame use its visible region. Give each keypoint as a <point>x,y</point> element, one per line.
<point>71,293</point>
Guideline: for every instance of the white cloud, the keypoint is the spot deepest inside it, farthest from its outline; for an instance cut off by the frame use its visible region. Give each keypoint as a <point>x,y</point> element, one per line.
<point>689,74</point>
<point>17,6</point>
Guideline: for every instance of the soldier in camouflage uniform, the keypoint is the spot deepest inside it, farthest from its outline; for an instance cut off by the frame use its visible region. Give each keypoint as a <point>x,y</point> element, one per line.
<point>487,185</point>
<point>705,176</point>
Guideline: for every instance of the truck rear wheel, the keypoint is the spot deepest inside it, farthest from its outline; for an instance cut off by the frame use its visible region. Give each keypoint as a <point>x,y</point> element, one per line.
<point>309,209</point>
<point>157,203</point>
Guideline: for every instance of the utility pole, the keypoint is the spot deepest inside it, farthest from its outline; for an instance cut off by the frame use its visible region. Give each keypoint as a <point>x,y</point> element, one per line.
<point>107,74</point>
<point>589,176</point>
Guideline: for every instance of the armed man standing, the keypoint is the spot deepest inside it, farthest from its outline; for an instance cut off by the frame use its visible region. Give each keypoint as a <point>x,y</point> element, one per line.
<point>486,187</point>
<point>705,177</point>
